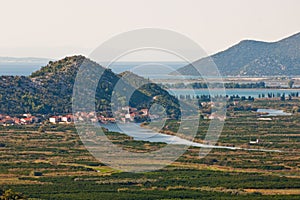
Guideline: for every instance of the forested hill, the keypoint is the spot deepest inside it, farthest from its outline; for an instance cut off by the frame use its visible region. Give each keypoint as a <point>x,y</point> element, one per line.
<point>256,58</point>
<point>50,89</point>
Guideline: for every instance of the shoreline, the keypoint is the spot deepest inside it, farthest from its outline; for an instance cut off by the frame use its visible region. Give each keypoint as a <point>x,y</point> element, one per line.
<point>236,89</point>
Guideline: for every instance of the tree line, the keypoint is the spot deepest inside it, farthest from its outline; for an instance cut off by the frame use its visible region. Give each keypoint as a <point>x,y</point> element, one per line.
<point>199,85</point>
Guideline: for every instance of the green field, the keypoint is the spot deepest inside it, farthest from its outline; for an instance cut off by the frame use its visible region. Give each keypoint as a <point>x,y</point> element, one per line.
<point>53,163</point>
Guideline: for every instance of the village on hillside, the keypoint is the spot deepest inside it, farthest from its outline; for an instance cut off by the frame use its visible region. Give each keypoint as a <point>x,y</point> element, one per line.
<point>126,114</point>
<point>25,119</point>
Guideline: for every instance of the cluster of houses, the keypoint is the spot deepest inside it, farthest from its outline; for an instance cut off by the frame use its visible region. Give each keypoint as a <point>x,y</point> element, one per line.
<point>79,116</point>
<point>66,119</point>
<point>126,114</point>
<point>25,119</point>
<point>129,114</point>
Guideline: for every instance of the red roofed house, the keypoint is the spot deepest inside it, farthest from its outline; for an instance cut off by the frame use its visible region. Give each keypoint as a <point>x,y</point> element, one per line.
<point>27,120</point>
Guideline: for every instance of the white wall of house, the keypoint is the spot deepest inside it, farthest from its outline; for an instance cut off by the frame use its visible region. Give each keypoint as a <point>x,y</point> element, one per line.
<point>52,120</point>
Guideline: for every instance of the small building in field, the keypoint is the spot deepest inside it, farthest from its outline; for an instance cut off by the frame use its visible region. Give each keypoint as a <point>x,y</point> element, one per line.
<point>254,142</point>
<point>264,119</point>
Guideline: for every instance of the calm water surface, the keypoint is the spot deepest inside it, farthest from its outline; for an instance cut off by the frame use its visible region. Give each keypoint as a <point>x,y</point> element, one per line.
<point>241,92</point>
<point>143,134</point>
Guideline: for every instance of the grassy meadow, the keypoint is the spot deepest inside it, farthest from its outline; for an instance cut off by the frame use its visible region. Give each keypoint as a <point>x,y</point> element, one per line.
<point>52,163</point>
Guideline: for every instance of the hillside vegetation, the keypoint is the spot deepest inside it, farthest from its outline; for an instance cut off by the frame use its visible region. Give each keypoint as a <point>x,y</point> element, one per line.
<point>50,89</point>
<point>255,58</point>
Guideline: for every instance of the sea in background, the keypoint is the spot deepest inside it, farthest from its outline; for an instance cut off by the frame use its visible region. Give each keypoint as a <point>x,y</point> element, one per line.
<point>152,71</point>
<point>160,70</point>
<point>19,69</point>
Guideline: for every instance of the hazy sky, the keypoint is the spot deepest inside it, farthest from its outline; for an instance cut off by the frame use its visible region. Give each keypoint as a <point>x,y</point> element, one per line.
<point>57,28</point>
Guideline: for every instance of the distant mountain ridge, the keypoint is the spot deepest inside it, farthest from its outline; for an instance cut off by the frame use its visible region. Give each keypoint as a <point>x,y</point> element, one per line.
<point>255,58</point>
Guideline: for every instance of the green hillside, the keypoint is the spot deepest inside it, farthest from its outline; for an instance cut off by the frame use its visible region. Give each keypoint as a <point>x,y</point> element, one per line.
<point>50,89</point>
<point>255,58</point>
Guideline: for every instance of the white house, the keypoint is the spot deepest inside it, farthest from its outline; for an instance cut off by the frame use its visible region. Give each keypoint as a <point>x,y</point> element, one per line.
<point>254,142</point>
<point>54,119</point>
